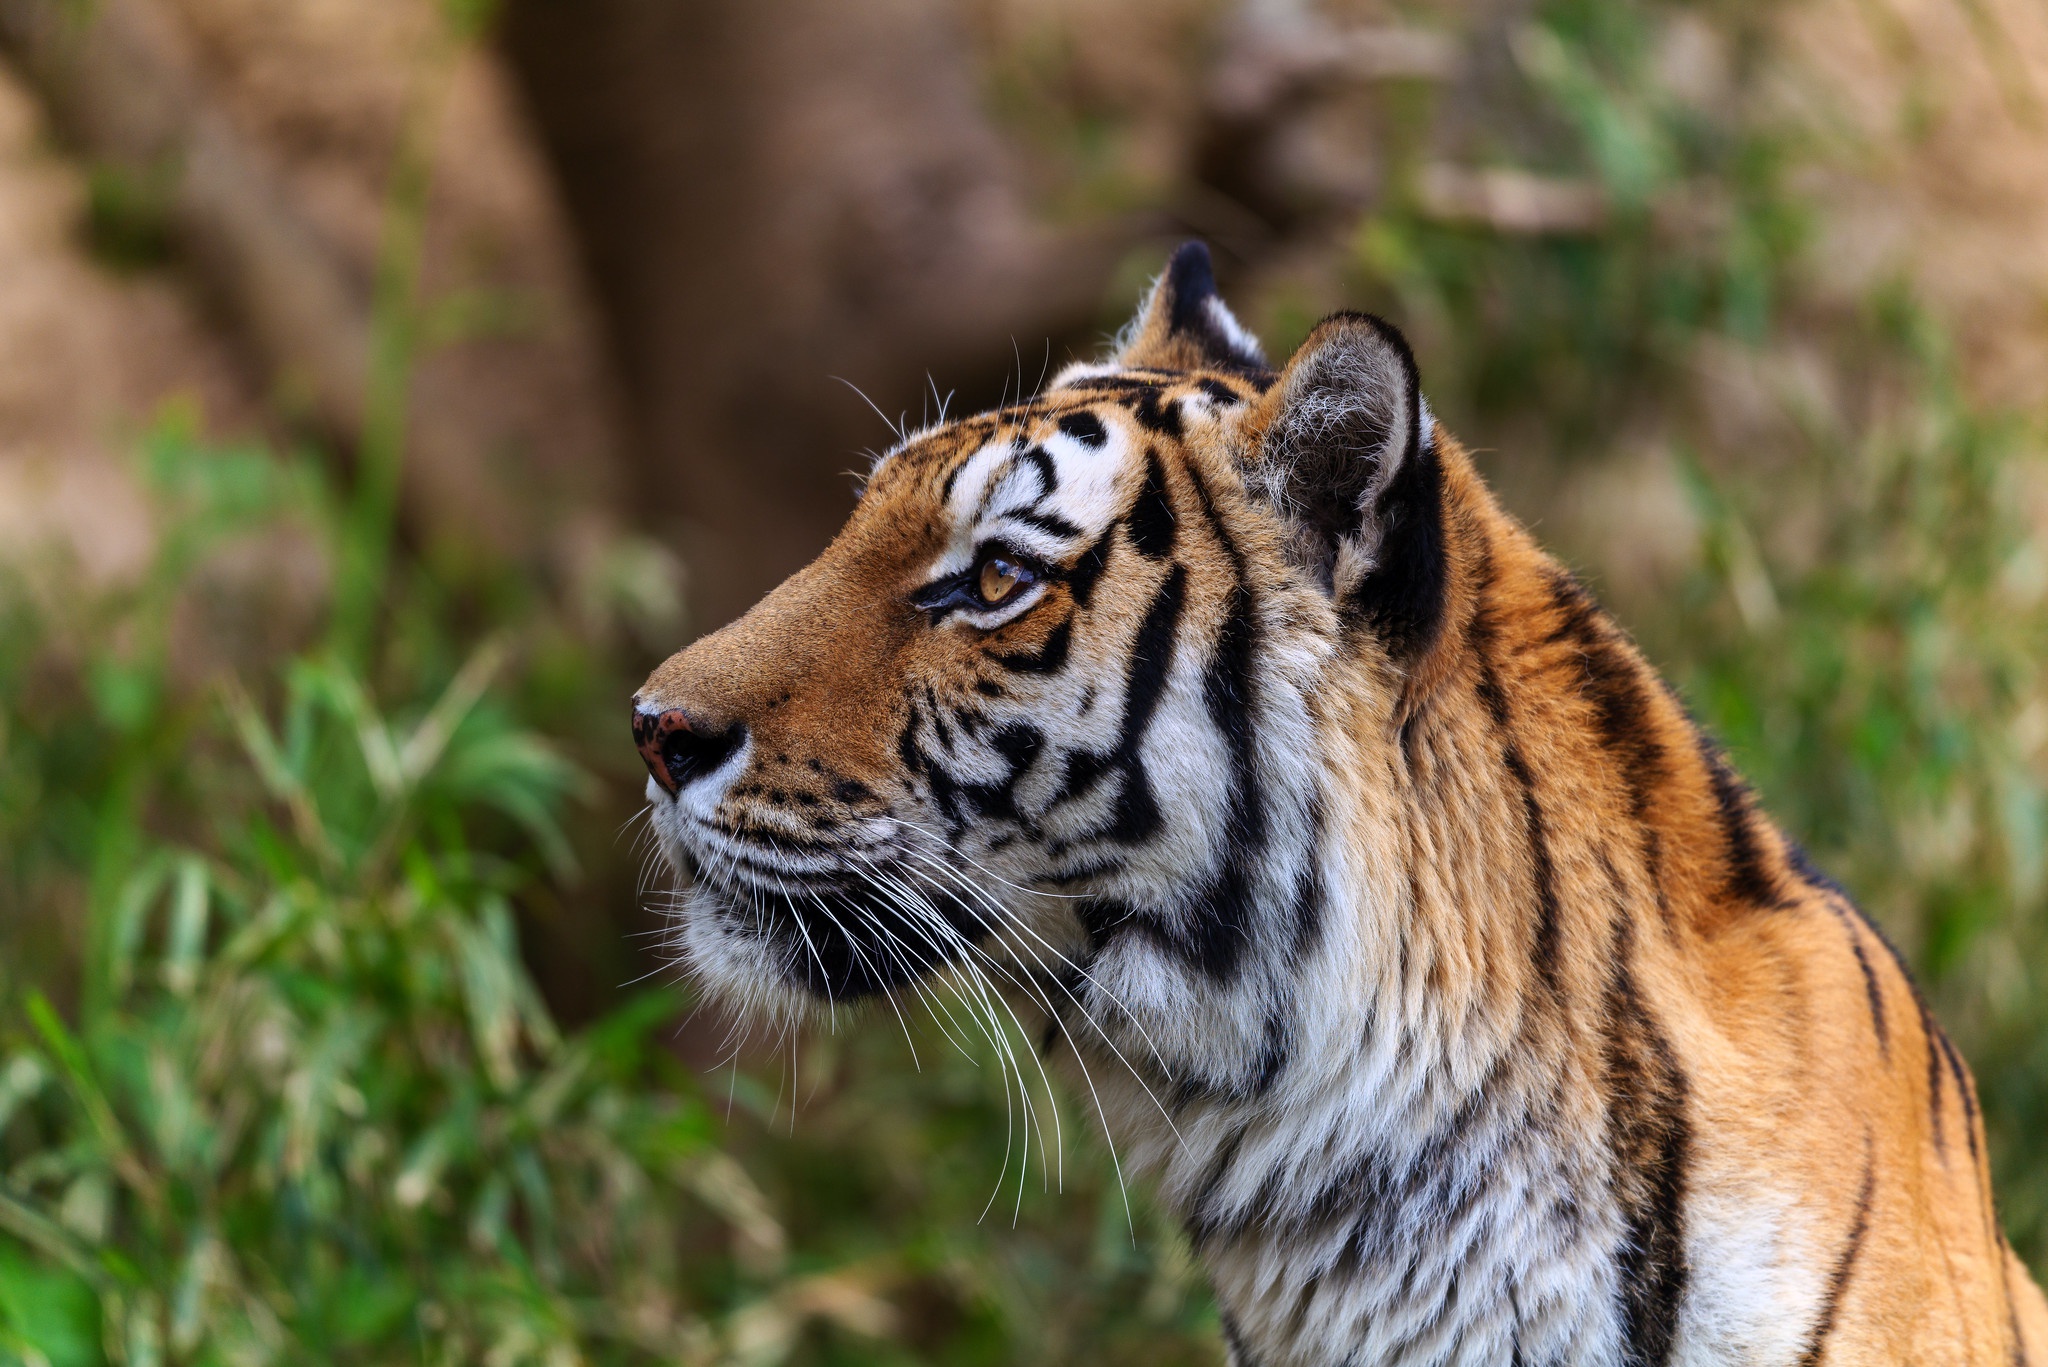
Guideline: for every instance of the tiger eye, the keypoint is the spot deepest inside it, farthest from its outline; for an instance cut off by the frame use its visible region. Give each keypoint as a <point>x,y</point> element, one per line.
<point>998,580</point>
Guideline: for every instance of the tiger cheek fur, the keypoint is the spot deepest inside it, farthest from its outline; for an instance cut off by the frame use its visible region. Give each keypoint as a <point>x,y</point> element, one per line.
<point>1435,968</point>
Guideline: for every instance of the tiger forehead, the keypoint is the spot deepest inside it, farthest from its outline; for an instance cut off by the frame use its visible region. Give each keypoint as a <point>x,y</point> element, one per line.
<point>1083,401</point>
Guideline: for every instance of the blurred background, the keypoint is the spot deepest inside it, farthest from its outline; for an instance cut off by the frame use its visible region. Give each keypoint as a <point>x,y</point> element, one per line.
<point>385,385</point>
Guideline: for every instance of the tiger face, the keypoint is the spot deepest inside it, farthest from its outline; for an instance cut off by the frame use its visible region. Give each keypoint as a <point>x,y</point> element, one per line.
<point>1045,702</point>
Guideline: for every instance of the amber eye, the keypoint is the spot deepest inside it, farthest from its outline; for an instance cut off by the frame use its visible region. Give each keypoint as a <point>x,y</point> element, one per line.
<point>999,579</point>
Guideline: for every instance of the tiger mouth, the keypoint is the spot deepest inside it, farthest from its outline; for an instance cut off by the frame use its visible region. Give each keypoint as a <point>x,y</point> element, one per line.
<point>846,937</point>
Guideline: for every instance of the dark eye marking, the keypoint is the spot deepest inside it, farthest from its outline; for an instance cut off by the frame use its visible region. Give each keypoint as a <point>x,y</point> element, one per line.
<point>1085,428</point>
<point>1221,392</point>
<point>997,575</point>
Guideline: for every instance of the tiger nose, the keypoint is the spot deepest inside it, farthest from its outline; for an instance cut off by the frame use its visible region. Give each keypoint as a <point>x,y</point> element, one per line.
<point>680,748</point>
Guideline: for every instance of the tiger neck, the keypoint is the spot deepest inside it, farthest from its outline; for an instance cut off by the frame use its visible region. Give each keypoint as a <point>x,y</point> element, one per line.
<point>1506,834</point>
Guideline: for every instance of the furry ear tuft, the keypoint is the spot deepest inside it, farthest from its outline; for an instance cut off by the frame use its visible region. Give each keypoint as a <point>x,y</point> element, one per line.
<point>1343,450</point>
<point>1185,325</point>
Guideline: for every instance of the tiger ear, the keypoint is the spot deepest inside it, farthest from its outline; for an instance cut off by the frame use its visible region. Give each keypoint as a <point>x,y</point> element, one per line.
<point>1341,447</point>
<point>1184,324</point>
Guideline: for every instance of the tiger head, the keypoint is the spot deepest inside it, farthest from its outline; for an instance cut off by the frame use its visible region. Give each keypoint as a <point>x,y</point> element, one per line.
<point>1059,701</point>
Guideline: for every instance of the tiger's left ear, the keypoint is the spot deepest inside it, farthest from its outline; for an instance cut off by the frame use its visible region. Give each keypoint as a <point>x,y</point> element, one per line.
<point>1342,448</point>
<point>1183,323</point>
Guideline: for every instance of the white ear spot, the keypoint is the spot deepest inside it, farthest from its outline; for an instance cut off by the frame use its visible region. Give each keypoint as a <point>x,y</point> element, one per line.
<point>1225,322</point>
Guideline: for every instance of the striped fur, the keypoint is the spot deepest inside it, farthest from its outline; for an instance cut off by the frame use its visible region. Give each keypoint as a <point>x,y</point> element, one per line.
<point>1414,942</point>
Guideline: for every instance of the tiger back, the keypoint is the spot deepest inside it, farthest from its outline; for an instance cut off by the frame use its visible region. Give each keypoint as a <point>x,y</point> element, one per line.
<point>1435,968</point>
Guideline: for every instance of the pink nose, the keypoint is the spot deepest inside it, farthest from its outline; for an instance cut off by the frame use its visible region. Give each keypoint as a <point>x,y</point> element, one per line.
<point>678,748</point>
<point>651,733</point>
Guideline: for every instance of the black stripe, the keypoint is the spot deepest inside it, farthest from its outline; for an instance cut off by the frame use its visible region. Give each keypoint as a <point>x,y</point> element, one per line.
<point>1045,522</point>
<point>1069,981</point>
<point>1039,459</point>
<point>1651,1139</point>
<point>1133,380</point>
<point>1085,428</point>
<point>1050,658</point>
<point>1831,1303</point>
<point>1962,1081</point>
<point>1928,1029</point>
<point>1224,539</point>
<point>1224,931</point>
<point>1750,880</point>
<point>1854,922</point>
<point>1151,659</point>
<point>1101,918</point>
<point>1414,726</point>
<point>1157,413</point>
<point>1930,1032</point>
<point>1612,679</point>
<point>1087,568</point>
<point>1201,1210</point>
<point>1309,890</point>
<point>1084,769</point>
<point>1543,952</point>
<point>1276,1047</point>
<point>1150,520</point>
<point>1481,633</point>
<point>1872,990</point>
<point>1298,1312</point>
<point>1136,810</point>
<point>946,486</point>
<point>906,746</point>
<point>1019,744</point>
<point>945,795</point>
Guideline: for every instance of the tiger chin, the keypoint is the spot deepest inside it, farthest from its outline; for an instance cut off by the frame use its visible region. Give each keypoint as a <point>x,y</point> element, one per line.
<point>1437,971</point>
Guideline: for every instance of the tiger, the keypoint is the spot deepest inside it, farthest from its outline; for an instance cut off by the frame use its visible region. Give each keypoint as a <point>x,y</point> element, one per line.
<point>1436,971</point>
